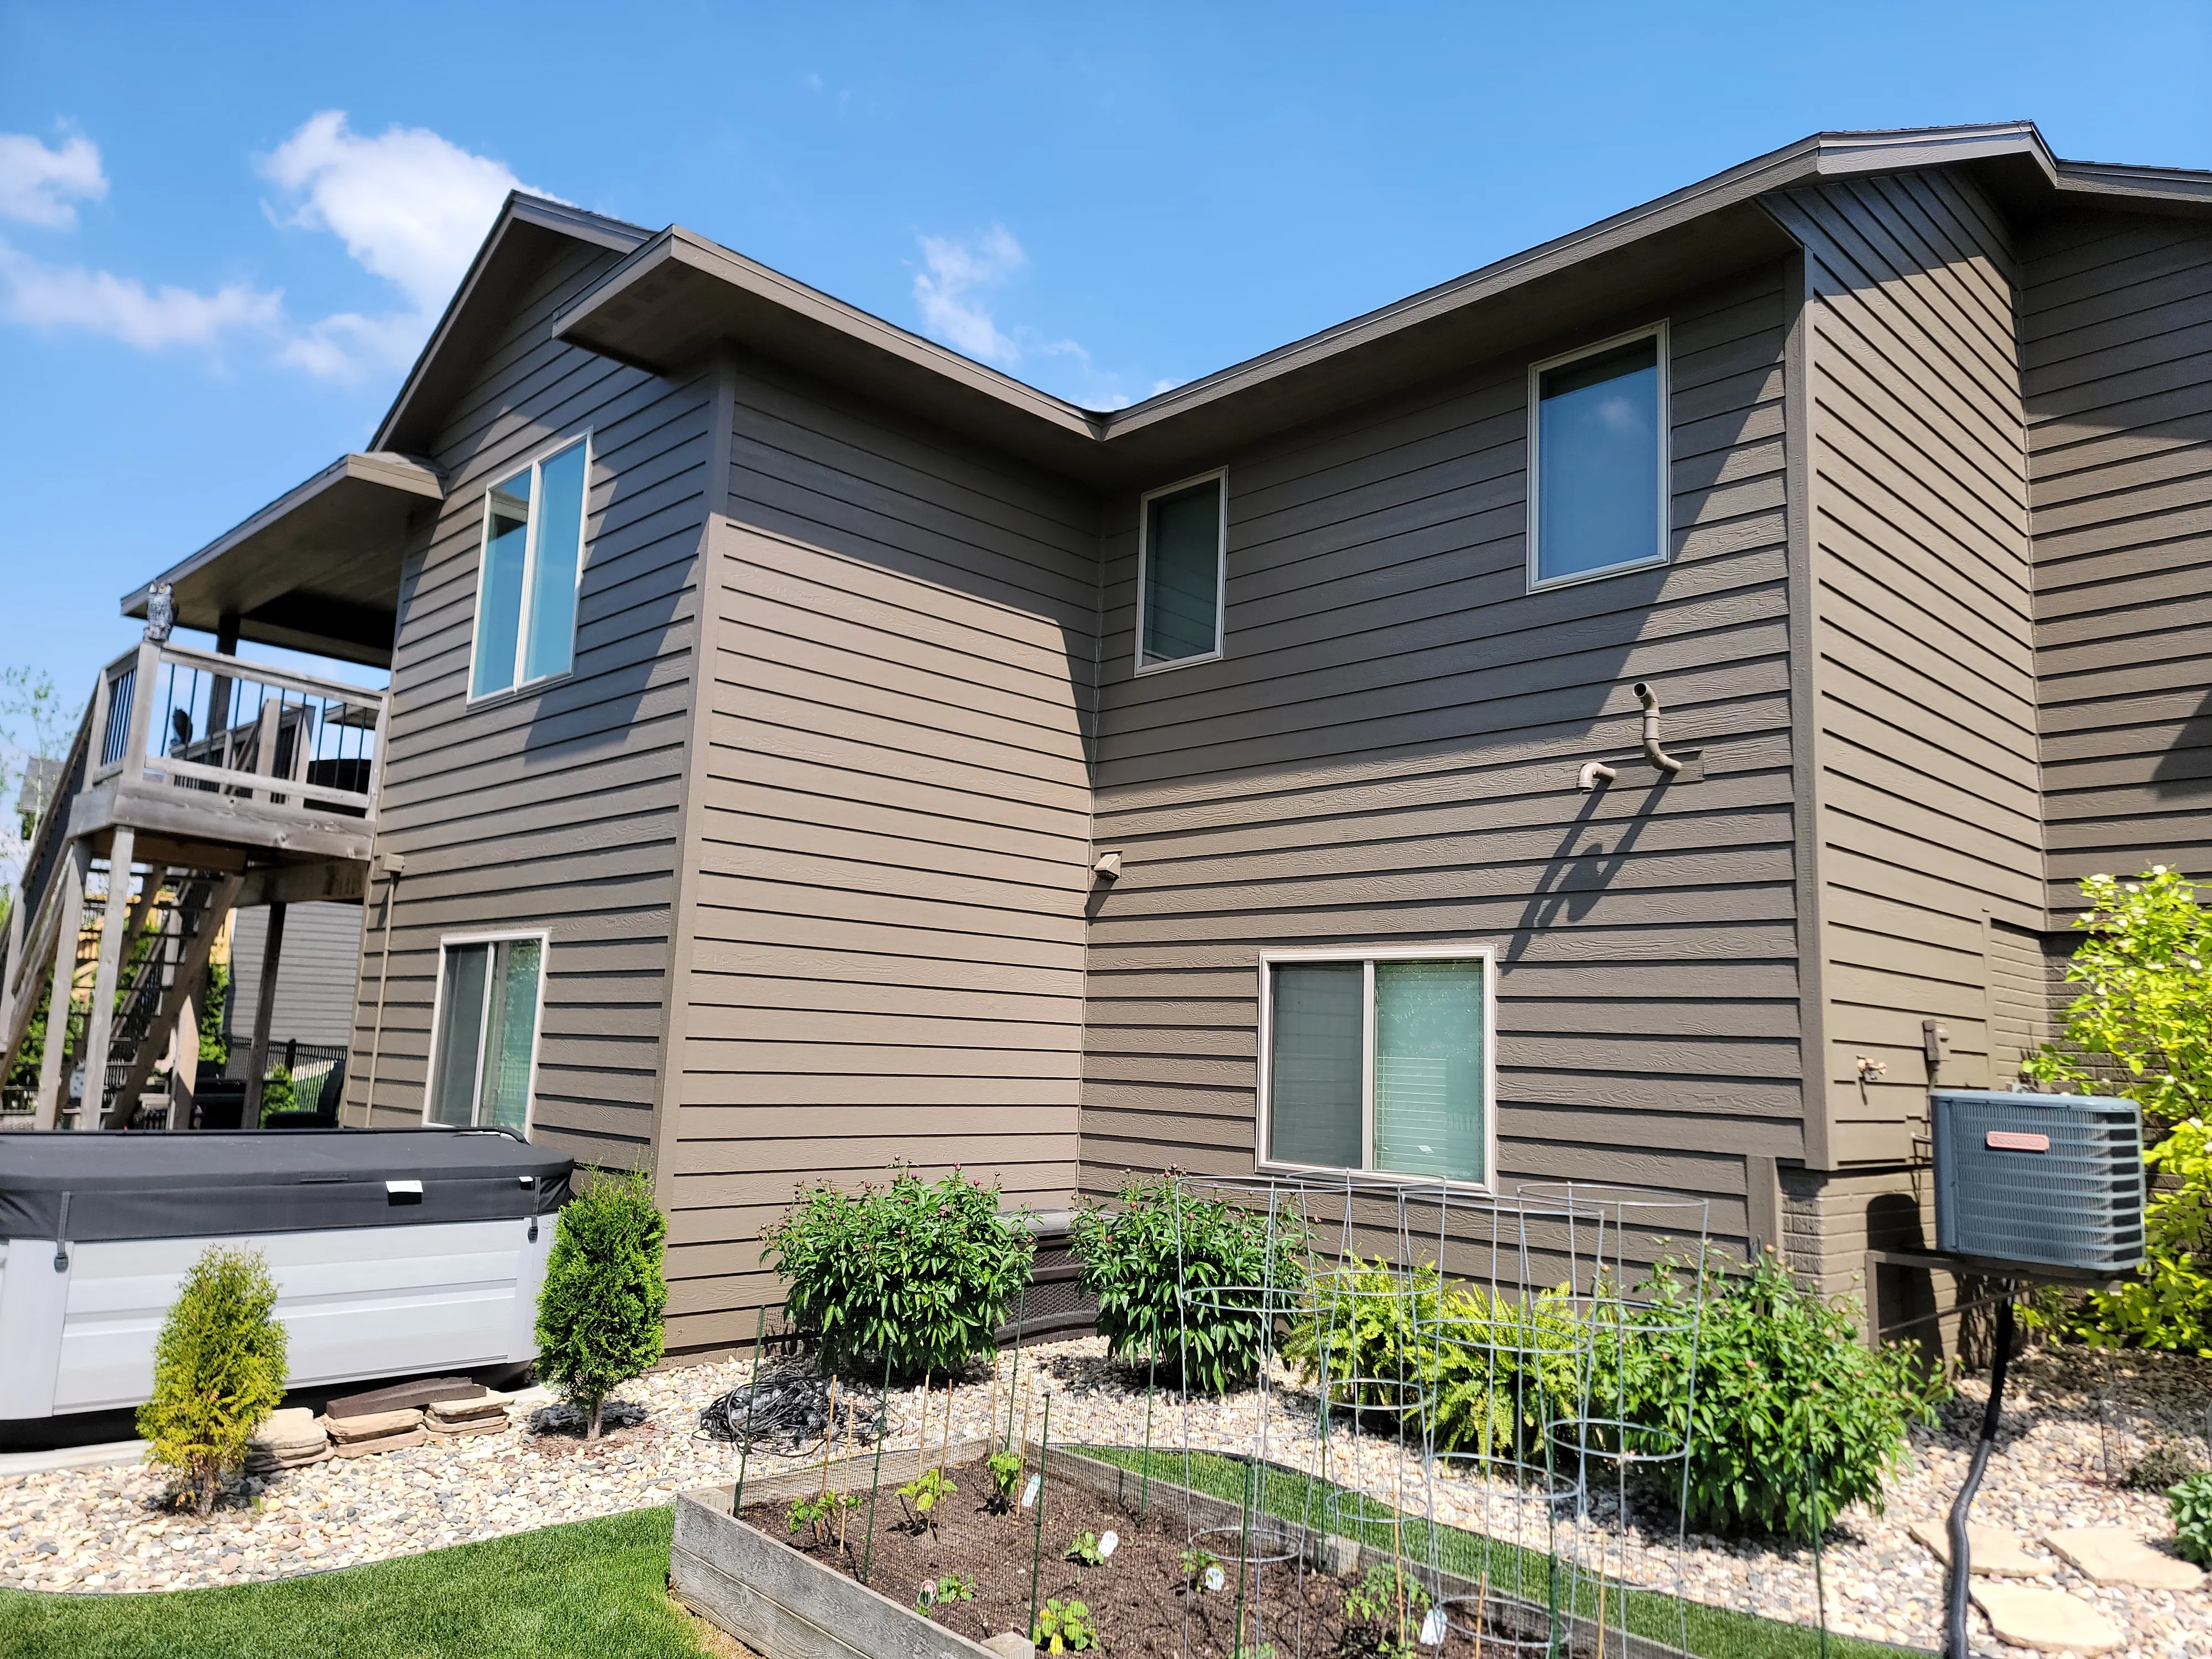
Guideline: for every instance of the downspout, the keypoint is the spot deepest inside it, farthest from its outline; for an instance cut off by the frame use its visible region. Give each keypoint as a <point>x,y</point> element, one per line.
<point>1652,752</point>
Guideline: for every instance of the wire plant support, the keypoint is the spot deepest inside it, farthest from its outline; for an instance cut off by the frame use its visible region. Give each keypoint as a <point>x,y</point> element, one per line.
<point>1484,1458</point>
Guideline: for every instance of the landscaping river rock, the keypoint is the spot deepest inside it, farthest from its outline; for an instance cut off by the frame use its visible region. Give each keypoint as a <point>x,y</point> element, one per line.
<point>2075,1423</point>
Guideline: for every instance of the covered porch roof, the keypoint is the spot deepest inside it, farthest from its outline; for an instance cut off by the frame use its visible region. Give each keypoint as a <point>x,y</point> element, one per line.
<point>316,569</point>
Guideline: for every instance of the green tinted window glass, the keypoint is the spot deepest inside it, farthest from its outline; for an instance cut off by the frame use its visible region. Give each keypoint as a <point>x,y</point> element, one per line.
<point>460,1035</point>
<point>511,1027</point>
<point>1429,1069</point>
<point>549,644</point>
<point>1183,574</point>
<point>1313,1064</point>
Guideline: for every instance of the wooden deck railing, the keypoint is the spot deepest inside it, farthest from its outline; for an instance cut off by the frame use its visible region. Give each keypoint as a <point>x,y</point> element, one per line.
<point>170,716</point>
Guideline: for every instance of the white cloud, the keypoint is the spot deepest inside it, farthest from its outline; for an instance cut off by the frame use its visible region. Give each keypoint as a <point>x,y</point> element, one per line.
<point>411,207</point>
<point>945,289</point>
<point>123,309</point>
<point>39,185</point>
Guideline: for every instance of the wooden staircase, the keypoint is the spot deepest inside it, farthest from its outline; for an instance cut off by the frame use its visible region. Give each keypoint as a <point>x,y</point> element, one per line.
<point>197,783</point>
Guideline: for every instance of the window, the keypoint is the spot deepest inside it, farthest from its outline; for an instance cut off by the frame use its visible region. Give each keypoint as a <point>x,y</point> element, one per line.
<point>1379,1063</point>
<point>1597,436</point>
<point>485,1042</point>
<point>533,553</point>
<point>1181,538</point>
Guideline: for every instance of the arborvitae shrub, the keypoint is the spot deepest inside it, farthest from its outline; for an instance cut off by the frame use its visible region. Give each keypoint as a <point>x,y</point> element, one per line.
<point>600,1313</point>
<point>218,1370</point>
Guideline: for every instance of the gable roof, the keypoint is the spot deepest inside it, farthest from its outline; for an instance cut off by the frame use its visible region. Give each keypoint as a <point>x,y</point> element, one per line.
<point>679,294</point>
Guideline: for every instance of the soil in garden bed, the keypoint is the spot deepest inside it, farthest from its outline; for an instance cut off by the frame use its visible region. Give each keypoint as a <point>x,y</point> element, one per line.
<point>1139,1599</point>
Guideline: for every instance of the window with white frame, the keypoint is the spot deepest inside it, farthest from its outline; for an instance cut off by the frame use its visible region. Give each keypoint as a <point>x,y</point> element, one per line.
<point>1379,1061</point>
<point>534,558</point>
<point>1597,440</point>
<point>1183,536</point>
<point>485,1040</point>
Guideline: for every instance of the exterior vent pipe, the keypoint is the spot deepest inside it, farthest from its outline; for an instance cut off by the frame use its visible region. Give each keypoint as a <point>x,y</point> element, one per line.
<point>1652,752</point>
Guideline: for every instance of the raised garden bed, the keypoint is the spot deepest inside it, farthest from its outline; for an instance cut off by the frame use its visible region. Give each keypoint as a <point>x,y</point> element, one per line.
<point>791,1595</point>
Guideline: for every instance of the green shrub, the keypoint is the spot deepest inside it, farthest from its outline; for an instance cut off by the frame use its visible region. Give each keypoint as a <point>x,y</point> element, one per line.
<point>1385,1612</point>
<point>2145,1013</point>
<point>1499,1370</point>
<point>920,1274</point>
<point>1064,1627</point>
<point>219,1370</point>
<point>2168,1304</point>
<point>1135,1262</point>
<point>600,1313</point>
<point>277,1094</point>
<point>1795,1417</point>
<point>2190,1502</point>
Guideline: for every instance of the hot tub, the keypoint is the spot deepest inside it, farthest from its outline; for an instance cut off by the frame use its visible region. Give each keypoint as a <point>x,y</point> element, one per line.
<point>395,1251</point>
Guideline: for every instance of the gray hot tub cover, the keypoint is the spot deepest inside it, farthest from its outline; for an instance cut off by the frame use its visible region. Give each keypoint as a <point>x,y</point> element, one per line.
<point>212,1183</point>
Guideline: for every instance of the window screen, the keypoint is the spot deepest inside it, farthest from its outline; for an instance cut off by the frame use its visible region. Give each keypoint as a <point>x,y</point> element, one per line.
<point>1598,453</point>
<point>534,549</point>
<point>1182,579</point>
<point>487,1026</point>
<point>1380,1066</point>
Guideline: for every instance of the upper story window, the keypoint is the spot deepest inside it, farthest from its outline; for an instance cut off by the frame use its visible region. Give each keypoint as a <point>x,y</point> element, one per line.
<point>485,1045</point>
<point>1597,437</point>
<point>1379,1061</point>
<point>1182,539</point>
<point>533,556</point>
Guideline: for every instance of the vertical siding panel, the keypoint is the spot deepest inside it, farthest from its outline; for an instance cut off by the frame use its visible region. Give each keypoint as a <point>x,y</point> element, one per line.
<point>1922,631</point>
<point>894,846</point>
<point>2117,344</point>
<point>557,808</point>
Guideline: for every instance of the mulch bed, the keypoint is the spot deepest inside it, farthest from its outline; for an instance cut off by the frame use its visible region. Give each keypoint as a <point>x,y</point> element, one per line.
<point>1138,1600</point>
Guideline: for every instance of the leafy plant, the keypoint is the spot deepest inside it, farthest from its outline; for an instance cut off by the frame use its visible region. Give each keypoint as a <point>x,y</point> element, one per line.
<point>918,1273</point>
<point>214,1046</point>
<point>1196,1564</point>
<point>1084,1551</point>
<point>818,1511</point>
<point>219,1370</point>
<point>277,1094</point>
<point>599,1312</point>
<point>2190,1502</point>
<point>1184,1283</point>
<point>2168,1304</point>
<point>2167,1464</point>
<point>1387,1608</point>
<point>2144,1011</point>
<point>1795,1417</point>
<point>1064,1627</point>
<point>922,1495</point>
<point>934,1593</point>
<point>1499,1370</point>
<point>1006,1470</point>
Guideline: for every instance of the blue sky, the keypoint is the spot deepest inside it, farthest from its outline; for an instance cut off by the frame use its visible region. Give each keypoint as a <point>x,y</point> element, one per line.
<point>225,230</point>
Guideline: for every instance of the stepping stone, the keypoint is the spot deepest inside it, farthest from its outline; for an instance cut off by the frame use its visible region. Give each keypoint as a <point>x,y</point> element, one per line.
<point>2113,1555</point>
<point>1011,1645</point>
<point>2048,1621</point>
<point>1993,1552</point>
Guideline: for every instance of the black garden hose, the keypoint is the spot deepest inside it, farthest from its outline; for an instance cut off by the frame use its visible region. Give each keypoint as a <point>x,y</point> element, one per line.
<point>1962,1566</point>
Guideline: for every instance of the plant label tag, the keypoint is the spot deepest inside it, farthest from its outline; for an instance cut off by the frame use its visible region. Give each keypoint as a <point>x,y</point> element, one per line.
<point>1214,1580</point>
<point>1030,1492</point>
<point>1107,1546</point>
<point>1432,1628</point>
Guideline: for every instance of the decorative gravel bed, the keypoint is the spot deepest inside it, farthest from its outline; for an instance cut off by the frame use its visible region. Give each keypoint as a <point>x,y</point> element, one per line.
<point>104,1529</point>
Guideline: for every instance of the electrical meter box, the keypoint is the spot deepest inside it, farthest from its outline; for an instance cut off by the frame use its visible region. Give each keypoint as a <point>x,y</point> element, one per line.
<point>2052,1180</point>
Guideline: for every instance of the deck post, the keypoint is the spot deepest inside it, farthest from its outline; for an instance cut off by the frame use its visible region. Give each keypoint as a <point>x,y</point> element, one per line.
<point>51,1081</point>
<point>265,1009</point>
<point>114,924</point>
<point>11,974</point>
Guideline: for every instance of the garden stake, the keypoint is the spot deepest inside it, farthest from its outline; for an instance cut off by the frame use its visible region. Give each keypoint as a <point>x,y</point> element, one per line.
<point>921,1435</point>
<point>1036,1547</point>
<point>1812,1521</point>
<point>829,1437</point>
<point>745,1446</point>
<point>944,1442</point>
<point>1021,1313</point>
<point>1145,1478</point>
<point>1481,1596</point>
<point>851,1423</point>
<point>876,1481</point>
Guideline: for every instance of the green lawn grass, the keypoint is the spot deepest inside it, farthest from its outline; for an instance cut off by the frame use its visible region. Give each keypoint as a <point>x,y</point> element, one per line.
<point>591,1588</point>
<point>1712,1632</point>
